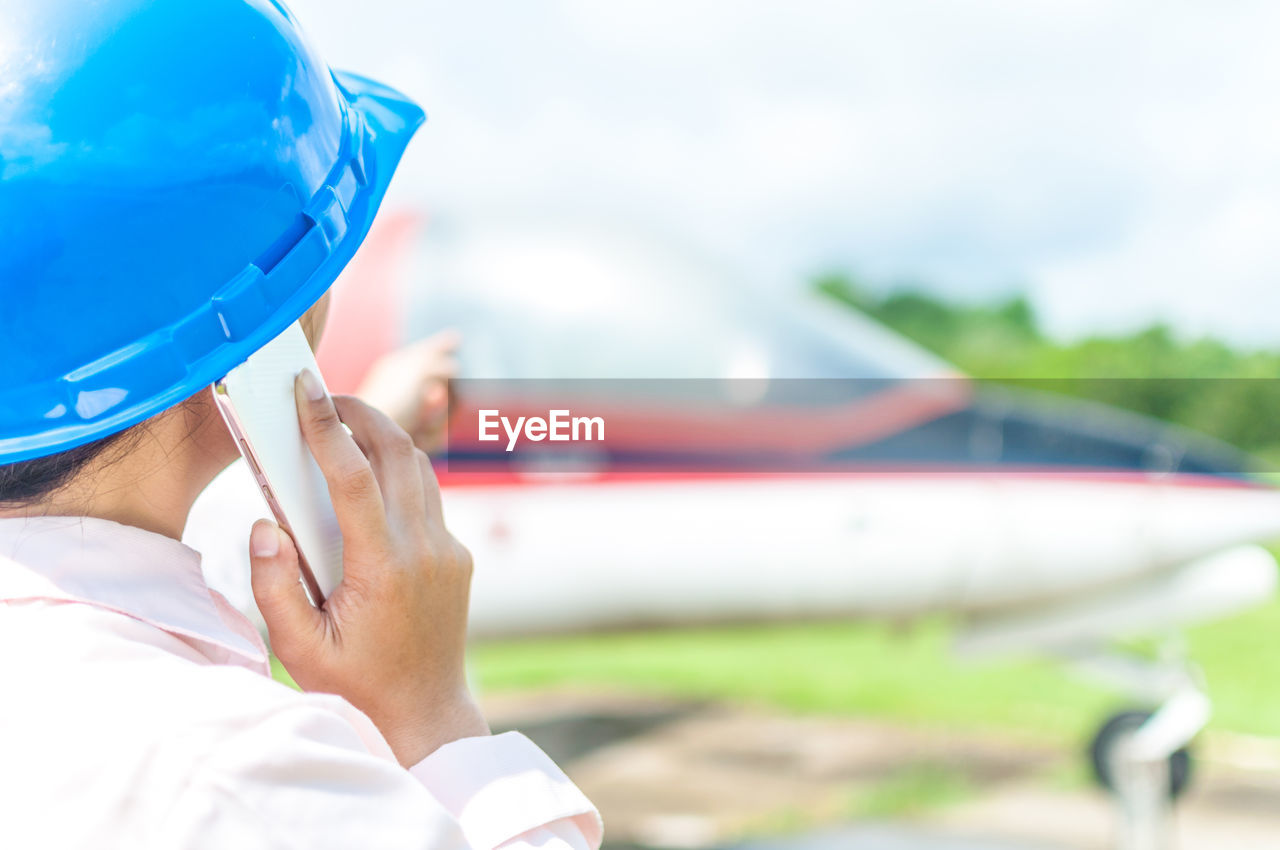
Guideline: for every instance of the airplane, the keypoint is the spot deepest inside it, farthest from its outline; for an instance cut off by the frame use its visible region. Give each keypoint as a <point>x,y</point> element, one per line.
<point>775,457</point>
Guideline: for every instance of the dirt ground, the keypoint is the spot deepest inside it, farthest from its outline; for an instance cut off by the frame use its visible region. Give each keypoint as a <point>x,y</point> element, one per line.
<point>689,775</point>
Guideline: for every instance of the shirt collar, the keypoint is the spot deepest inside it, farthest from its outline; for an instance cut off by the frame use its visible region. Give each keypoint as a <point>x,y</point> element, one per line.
<point>144,575</point>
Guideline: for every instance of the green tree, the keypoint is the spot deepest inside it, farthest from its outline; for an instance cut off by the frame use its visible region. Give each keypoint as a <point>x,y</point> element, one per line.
<point>1204,384</point>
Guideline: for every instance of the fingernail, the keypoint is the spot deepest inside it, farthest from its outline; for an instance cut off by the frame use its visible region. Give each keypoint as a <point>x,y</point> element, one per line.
<point>264,540</point>
<point>311,385</point>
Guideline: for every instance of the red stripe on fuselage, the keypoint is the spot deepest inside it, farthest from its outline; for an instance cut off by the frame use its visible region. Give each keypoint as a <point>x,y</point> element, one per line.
<point>508,478</point>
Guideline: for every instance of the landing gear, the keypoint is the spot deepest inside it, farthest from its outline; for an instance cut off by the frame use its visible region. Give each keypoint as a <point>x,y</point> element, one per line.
<point>1141,758</point>
<point>1106,744</point>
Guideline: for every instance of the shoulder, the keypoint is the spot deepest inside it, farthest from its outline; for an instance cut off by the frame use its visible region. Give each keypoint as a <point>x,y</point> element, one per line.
<point>116,736</point>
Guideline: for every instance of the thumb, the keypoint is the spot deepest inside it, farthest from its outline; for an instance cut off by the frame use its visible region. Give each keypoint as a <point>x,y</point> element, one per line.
<point>292,623</point>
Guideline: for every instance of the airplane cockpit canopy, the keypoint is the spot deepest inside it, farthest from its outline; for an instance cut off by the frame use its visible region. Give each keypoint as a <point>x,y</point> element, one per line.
<point>551,302</point>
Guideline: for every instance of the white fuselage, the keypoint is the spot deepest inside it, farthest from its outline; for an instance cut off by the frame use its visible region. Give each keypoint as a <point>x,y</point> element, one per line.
<point>568,554</point>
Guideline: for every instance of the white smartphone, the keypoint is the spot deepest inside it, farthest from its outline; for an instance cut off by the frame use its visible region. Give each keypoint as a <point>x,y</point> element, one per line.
<point>257,402</point>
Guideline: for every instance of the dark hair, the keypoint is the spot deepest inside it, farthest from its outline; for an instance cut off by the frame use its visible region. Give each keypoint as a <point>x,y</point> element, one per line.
<point>31,480</point>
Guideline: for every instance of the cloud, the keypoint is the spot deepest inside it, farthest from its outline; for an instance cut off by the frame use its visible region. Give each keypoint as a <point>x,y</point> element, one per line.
<point>1121,161</point>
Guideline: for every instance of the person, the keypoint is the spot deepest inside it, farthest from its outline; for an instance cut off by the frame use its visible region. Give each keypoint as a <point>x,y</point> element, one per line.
<point>180,180</point>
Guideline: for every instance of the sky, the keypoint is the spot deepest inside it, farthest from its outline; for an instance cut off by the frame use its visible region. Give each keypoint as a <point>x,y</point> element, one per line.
<point>1119,162</point>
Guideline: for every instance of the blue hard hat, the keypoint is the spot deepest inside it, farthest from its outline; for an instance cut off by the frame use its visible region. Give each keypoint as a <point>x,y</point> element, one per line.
<point>179,181</point>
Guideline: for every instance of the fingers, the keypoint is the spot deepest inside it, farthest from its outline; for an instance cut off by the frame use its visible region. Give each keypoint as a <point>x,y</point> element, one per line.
<point>444,341</point>
<point>411,384</point>
<point>429,360</point>
<point>353,487</point>
<point>293,624</point>
<point>392,455</point>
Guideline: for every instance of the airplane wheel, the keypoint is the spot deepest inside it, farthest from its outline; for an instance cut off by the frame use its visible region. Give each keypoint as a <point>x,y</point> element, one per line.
<point>1120,726</point>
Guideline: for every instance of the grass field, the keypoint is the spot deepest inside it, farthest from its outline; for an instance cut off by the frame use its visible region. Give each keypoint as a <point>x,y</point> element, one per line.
<point>876,670</point>
<point>871,669</point>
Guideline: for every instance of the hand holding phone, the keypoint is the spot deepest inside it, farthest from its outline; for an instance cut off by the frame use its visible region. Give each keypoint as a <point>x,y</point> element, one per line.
<point>391,636</point>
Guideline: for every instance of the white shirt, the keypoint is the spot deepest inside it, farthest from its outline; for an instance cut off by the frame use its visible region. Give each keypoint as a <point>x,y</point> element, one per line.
<point>136,711</point>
